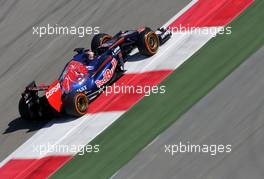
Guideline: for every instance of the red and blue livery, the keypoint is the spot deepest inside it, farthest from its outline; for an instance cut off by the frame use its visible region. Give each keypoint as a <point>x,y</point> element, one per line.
<point>82,80</point>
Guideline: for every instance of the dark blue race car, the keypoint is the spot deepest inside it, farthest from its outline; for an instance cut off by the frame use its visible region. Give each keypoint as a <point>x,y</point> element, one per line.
<point>83,79</point>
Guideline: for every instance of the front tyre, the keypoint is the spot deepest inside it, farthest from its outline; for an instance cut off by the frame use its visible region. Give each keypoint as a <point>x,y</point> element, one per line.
<point>148,42</point>
<point>76,104</point>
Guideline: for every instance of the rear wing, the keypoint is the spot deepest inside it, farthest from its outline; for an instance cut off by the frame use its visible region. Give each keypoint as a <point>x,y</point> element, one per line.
<point>33,87</point>
<point>53,93</point>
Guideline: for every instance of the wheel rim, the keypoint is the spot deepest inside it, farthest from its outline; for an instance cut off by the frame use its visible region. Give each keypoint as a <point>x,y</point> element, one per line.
<point>152,42</point>
<point>105,39</point>
<point>81,104</point>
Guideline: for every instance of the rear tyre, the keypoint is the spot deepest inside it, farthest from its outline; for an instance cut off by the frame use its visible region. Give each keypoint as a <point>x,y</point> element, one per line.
<point>99,39</point>
<point>26,112</point>
<point>76,104</point>
<point>148,42</point>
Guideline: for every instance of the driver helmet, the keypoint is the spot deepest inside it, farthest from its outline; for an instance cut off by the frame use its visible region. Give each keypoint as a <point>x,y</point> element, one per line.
<point>90,54</point>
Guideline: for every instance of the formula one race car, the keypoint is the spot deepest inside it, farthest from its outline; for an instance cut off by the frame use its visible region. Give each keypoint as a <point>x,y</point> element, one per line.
<point>82,79</point>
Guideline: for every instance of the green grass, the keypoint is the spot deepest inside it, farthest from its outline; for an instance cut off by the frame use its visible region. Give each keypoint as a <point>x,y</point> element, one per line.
<point>188,84</point>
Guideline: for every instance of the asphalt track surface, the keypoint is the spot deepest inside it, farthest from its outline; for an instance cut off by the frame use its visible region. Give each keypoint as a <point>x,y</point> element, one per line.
<point>232,113</point>
<point>25,57</point>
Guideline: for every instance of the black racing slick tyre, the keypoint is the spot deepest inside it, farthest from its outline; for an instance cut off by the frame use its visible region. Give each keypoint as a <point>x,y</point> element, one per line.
<point>26,112</point>
<point>23,109</point>
<point>148,42</point>
<point>76,104</point>
<point>99,39</point>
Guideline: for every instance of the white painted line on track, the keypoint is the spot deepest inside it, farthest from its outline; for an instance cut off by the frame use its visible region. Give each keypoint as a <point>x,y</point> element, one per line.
<point>83,130</point>
<point>180,13</point>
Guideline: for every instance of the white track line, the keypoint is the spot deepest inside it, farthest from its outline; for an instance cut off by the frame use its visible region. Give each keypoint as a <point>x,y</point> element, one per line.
<point>83,130</point>
<point>180,13</point>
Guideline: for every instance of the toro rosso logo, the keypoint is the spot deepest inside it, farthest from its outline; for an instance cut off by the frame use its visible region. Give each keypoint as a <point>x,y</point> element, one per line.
<point>107,75</point>
<point>75,73</point>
